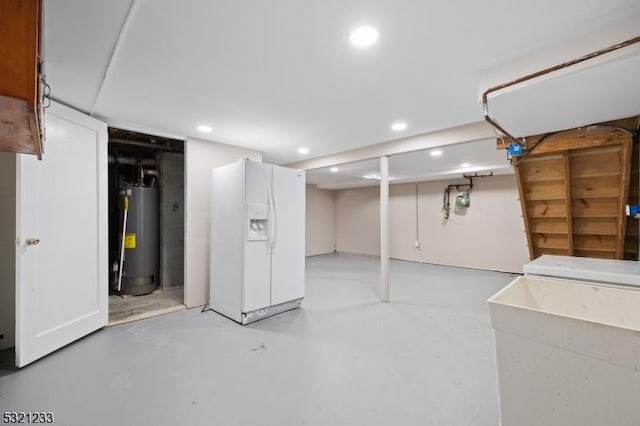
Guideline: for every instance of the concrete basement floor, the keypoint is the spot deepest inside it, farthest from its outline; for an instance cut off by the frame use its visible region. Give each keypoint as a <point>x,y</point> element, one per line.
<point>134,308</point>
<point>344,359</point>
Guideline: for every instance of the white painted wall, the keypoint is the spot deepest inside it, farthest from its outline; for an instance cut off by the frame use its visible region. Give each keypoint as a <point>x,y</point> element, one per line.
<point>200,158</point>
<point>358,220</point>
<point>7,249</point>
<point>320,221</point>
<point>489,236</point>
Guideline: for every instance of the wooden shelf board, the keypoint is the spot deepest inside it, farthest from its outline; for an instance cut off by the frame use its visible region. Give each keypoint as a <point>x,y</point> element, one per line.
<point>551,247</point>
<point>594,216</point>
<point>596,249</point>
<point>594,175</point>
<point>592,196</point>
<point>543,179</point>
<point>540,197</point>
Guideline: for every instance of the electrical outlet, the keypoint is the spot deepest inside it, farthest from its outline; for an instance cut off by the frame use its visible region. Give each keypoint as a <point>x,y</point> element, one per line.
<point>416,244</point>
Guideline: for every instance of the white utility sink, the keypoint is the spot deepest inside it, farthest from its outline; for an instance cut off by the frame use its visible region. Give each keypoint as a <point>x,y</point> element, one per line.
<point>568,350</point>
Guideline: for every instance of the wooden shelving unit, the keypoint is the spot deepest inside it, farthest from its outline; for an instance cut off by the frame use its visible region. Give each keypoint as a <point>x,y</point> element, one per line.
<point>573,190</point>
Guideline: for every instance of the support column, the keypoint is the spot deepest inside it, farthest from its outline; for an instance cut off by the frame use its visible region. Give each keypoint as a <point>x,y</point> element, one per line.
<point>384,229</point>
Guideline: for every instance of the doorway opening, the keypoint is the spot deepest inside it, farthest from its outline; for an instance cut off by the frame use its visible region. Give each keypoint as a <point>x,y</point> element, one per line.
<point>7,259</point>
<point>146,226</point>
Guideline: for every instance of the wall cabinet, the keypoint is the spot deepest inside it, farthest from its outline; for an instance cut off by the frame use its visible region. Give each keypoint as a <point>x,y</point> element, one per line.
<point>21,117</point>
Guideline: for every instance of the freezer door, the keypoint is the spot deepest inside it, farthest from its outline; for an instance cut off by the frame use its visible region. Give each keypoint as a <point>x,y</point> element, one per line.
<point>257,226</point>
<point>287,258</point>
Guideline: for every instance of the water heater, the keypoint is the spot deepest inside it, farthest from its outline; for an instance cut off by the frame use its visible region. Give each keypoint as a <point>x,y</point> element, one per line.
<point>140,272</point>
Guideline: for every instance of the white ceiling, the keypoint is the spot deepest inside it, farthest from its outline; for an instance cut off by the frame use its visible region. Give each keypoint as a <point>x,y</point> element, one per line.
<point>277,75</point>
<point>603,92</point>
<point>417,166</point>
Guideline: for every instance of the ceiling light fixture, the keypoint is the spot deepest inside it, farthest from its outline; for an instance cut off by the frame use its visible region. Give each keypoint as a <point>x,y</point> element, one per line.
<point>465,165</point>
<point>364,36</point>
<point>399,126</point>
<point>436,153</point>
<point>205,129</point>
<point>375,176</point>
<point>334,170</point>
<point>303,151</point>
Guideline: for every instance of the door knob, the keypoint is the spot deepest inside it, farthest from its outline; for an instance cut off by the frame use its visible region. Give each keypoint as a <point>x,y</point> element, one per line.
<point>32,241</point>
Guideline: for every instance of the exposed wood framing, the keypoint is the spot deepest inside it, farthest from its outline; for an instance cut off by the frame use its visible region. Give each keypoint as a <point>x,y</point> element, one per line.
<point>567,197</point>
<point>592,131</point>
<point>573,189</point>
<point>526,217</point>
<point>633,224</point>
<point>624,197</point>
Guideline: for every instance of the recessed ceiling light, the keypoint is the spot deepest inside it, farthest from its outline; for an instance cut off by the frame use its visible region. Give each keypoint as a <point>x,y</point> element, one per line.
<point>205,129</point>
<point>303,151</point>
<point>399,126</point>
<point>334,170</point>
<point>436,153</point>
<point>465,165</point>
<point>364,36</point>
<point>375,176</point>
<point>371,176</point>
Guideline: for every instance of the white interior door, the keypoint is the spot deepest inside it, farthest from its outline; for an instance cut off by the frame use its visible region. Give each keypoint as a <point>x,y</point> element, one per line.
<point>61,258</point>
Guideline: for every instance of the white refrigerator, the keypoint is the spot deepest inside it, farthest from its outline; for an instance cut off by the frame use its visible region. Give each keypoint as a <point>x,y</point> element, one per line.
<point>257,240</point>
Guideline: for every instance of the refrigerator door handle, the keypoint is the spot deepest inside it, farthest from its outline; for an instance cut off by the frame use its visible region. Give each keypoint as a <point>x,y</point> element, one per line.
<point>274,237</point>
<point>269,223</point>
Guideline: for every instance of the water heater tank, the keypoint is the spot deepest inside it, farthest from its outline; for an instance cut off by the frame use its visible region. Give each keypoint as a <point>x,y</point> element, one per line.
<point>142,243</point>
